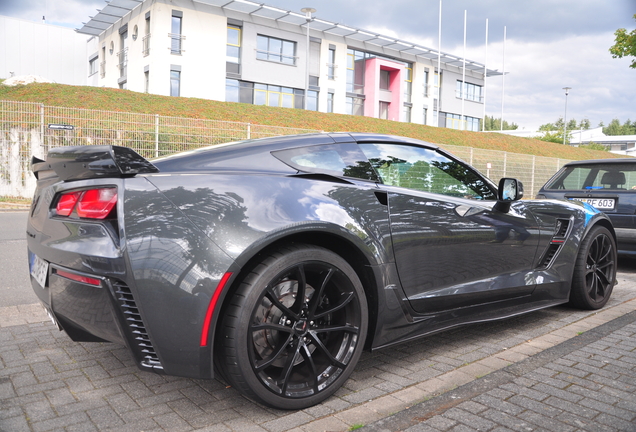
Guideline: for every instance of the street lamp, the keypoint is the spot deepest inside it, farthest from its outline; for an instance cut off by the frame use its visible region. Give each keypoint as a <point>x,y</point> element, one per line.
<point>308,11</point>
<point>565,116</point>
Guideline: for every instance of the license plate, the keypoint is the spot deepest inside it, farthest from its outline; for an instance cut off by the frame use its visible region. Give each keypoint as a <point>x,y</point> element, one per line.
<point>38,268</point>
<point>599,203</point>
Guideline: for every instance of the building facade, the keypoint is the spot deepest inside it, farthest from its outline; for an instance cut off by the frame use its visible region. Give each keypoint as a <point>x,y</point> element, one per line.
<point>52,52</point>
<point>240,51</point>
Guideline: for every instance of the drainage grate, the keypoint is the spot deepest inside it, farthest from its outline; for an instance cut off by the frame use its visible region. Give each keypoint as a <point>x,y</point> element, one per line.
<point>126,300</point>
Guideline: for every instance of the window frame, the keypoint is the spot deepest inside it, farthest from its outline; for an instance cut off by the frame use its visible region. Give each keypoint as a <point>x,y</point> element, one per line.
<point>272,53</point>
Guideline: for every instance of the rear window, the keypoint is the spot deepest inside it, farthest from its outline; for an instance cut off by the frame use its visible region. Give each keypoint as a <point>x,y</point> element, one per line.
<point>341,160</point>
<point>595,177</point>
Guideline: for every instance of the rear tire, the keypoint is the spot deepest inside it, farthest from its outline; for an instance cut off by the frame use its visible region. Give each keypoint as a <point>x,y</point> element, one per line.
<point>595,270</point>
<point>295,328</point>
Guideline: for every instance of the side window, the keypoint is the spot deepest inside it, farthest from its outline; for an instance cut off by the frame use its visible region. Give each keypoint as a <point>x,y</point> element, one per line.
<point>425,170</point>
<point>342,160</point>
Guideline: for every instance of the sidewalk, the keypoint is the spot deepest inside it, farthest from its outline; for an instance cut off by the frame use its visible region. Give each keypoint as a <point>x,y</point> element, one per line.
<point>537,371</point>
<point>585,383</point>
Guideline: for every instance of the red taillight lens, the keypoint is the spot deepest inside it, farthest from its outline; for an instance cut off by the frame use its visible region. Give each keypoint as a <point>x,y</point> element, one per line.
<point>91,203</point>
<point>79,278</point>
<point>97,203</point>
<point>66,203</point>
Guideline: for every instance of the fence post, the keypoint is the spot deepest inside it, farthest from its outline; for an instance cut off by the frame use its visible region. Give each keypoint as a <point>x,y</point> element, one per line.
<point>533,168</point>
<point>471,156</point>
<point>156,135</point>
<point>249,130</point>
<point>42,129</point>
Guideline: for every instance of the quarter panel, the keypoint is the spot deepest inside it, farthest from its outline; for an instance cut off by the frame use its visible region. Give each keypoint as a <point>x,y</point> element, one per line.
<point>175,270</point>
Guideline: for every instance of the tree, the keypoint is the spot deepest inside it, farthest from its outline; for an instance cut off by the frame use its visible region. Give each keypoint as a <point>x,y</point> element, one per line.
<point>494,124</point>
<point>616,128</point>
<point>553,132</point>
<point>625,45</point>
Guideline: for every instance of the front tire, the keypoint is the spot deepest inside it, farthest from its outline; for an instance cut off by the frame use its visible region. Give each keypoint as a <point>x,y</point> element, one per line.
<point>595,270</point>
<point>295,328</point>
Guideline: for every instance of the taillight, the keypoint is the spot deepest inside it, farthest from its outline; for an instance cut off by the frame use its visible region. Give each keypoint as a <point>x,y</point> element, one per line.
<point>66,203</point>
<point>91,203</point>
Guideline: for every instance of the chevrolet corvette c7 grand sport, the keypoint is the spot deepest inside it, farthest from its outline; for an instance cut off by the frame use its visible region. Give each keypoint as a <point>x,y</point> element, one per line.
<point>275,262</point>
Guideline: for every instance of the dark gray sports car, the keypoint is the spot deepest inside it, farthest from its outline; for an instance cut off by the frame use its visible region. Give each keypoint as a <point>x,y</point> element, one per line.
<point>277,261</point>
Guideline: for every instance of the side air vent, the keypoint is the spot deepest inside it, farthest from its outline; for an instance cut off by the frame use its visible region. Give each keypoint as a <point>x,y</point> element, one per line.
<point>549,255</point>
<point>136,325</point>
<point>561,229</point>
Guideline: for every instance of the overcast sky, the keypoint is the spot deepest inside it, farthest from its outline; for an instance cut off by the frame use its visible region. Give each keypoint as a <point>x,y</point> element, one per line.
<point>550,44</point>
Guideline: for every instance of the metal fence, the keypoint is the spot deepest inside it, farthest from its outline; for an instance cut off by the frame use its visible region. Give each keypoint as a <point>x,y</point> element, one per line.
<point>31,129</point>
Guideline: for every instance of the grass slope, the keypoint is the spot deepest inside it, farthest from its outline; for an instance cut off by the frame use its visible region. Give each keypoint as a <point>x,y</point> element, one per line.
<point>108,99</point>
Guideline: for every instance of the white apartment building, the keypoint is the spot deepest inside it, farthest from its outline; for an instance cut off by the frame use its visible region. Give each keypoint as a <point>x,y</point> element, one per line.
<point>242,51</point>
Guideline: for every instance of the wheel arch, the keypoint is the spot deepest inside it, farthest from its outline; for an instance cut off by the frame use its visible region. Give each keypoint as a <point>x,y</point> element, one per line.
<point>360,261</point>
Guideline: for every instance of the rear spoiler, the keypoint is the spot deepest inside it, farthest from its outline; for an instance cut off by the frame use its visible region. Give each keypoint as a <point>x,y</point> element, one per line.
<point>85,162</point>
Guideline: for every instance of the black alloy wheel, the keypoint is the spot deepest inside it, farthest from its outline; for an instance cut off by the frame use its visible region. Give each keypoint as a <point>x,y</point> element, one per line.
<point>595,270</point>
<point>296,328</point>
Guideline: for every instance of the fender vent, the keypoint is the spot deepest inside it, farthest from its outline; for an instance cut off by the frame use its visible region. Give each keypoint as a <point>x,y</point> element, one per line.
<point>549,255</point>
<point>561,231</point>
<point>561,228</point>
<point>136,325</point>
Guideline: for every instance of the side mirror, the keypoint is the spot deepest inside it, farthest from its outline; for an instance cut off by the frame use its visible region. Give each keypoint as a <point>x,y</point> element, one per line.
<point>510,189</point>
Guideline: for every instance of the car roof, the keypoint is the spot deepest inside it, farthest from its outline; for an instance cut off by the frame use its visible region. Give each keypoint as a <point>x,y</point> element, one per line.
<point>602,161</point>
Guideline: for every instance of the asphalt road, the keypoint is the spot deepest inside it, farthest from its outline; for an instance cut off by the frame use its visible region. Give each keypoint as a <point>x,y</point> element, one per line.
<point>15,288</point>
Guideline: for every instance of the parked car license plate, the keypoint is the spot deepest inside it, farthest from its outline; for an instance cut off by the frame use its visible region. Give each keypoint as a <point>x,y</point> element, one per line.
<point>599,203</point>
<point>38,268</point>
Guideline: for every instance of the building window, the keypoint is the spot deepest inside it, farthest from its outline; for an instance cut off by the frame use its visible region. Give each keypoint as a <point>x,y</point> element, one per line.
<point>330,102</point>
<point>123,53</point>
<point>176,36</point>
<point>426,92</point>
<point>355,70</point>
<point>408,82</point>
<point>271,95</point>
<point>312,100</point>
<point>425,116</point>
<point>468,91</point>
<point>355,106</point>
<point>275,50</point>
<point>384,110</point>
<point>454,121</point>
<point>233,44</point>
<point>407,113</point>
<point>92,66</point>
<point>175,82</point>
<point>331,65</point>
<point>147,82</point>
<point>385,79</point>
<point>102,64</point>
<point>146,39</point>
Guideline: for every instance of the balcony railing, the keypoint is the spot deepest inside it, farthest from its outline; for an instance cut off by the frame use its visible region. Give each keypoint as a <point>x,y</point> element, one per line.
<point>176,43</point>
<point>146,45</point>
<point>123,62</point>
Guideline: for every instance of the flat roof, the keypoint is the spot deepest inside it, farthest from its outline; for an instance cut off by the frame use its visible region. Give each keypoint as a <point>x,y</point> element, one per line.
<point>117,9</point>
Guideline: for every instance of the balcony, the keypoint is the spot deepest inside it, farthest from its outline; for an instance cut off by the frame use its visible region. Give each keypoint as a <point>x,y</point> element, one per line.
<point>176,43</point>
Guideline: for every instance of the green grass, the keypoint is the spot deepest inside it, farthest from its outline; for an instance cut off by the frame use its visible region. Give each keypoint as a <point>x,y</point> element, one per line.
<point>99,98</point>
<point>356,426</point>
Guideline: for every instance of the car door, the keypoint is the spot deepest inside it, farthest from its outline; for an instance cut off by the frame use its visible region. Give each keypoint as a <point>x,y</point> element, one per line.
<point>452,248</point>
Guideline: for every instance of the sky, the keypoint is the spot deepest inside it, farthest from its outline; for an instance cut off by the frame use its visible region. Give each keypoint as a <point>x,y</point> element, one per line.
<point>549,45</point>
